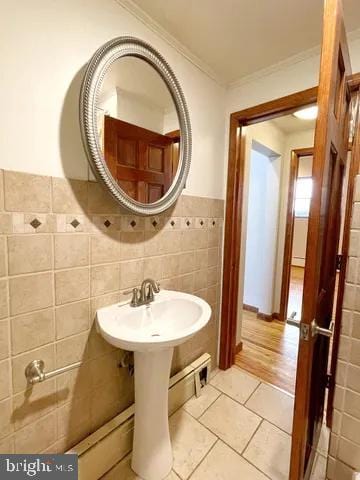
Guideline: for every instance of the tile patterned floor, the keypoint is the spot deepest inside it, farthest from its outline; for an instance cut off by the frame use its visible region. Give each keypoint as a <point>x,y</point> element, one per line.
<point>239,429</point>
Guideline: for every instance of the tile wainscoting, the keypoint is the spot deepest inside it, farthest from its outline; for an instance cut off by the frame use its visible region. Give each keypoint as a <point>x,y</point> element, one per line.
<point>345,437</point>
<point>66,249</point>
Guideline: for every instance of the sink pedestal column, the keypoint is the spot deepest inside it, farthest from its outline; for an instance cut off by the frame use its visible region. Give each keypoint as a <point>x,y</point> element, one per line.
<point>152,457</point>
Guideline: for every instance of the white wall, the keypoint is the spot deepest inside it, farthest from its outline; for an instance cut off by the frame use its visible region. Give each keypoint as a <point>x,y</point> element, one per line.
<point>268,135</point>
<point>44,46</point>
<point>262,228</point>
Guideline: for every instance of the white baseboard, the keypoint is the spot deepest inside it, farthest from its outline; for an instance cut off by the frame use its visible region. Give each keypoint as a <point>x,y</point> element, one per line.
<point>103,449</point>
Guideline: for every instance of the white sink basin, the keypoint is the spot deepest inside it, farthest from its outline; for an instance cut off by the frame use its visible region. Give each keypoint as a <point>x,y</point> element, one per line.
<point>168,321</point>
<point>151,332</point>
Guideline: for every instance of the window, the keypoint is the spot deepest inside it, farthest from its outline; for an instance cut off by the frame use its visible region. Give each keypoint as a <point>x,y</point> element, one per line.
<point>303,196</point>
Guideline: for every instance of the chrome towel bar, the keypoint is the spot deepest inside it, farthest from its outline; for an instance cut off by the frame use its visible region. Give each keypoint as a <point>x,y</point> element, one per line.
<point>34,372</point>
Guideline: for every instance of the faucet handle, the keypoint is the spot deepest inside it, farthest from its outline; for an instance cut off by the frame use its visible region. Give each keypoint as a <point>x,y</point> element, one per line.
<point>135,297</point>
<point>157,287</point>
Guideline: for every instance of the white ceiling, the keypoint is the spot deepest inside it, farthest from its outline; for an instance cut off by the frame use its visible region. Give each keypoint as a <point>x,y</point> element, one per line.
<point>235,38</point>
<point>291,124</point>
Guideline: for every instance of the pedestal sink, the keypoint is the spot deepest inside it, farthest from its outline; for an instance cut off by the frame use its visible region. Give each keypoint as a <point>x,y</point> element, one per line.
<point>151,332</point>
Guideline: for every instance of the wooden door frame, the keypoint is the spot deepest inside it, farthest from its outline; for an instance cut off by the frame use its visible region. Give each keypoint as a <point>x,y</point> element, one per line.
<point>234,204</point>
<point>289,229</point>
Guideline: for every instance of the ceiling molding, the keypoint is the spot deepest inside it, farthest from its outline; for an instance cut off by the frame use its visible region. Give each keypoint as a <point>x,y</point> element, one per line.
<point>154,26</point>
<point>275,67</point>
<point>150,23</point>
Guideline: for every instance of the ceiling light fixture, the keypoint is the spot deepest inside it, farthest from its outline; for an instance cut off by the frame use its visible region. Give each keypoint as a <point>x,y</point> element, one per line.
<point>308,113</point>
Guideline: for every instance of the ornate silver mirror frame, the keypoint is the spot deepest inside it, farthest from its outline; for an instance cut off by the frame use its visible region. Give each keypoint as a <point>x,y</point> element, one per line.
<point>94,75</point>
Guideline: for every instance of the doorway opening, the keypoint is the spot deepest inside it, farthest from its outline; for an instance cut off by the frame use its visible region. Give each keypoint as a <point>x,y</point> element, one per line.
<point>269,345</point>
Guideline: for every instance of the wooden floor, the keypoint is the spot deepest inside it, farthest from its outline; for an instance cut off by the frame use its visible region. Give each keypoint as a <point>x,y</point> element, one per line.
<point>269,351</point>
<point>270,348</point>
<point>296,291</point>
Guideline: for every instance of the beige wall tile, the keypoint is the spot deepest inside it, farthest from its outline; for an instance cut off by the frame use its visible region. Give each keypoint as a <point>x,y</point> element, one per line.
<point>69,196</point>
<point>4,339</point>
<point>132,245</point>
<point>34,403</point>
<point>29,253</point>
<point>341,372</point>
<point>213,257</point>
<point>350,428</point>
<point>71,250</point>
<point>73,384</point>
<point>356,298</point>
<point>7,445</point>
<point>131,273</point>
<point>19,363</point>
<point>104,248</point>
<point>4,299</point>
<point>355,352</point>
<point>72,349</point>
<point>106,369</point>
<point>31,292</point>
<point>200,279</point>
<point>187,262</point>
<point>349,453</point>
<point>72,285</point>
<point>100,200</point>
<point>37,436</point>
<point>5,389</point>
<point>73,415</point>
<point>346,322</point>
<point>1,190</point>
<point>354,243</point>
<point>170,266</point>
<point>72,318</point>
<point>105,279</point>
<point>6,223</point>
<point>103,301</point>
<point>6,426</point>
<point>3,257</point>
<point>32,330</point>
<point>153,268</point>
<point>27,193</point>
<point>339,397</point>
<point>356,325</point>
<point>186,283</point>
<point>352,403</point>
<point>353,378</point>
<point>351,270</point>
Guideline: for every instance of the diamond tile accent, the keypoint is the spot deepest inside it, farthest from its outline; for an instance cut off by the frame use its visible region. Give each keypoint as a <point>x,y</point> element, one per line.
<point>35,223</point>
<point>172,223</point>
<point>133,223</point>
<point>154,223</point>
<point>188,223</point>
<point>107,223</point>
<point>201,222</point>
<point>75,223</point>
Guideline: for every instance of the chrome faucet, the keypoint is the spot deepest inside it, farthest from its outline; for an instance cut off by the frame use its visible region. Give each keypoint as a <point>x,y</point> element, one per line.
<point>146,293</point>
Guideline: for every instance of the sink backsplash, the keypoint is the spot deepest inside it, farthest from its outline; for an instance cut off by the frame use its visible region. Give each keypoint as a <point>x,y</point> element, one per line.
<point>66,249</point>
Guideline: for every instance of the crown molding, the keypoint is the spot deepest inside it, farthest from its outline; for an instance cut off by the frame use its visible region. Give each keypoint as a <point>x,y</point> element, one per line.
<point>275,67</point>
<point>288,62</point>
<point>153,25</point>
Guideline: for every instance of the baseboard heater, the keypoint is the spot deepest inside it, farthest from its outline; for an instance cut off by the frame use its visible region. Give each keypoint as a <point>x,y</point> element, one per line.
<point>103,449</point>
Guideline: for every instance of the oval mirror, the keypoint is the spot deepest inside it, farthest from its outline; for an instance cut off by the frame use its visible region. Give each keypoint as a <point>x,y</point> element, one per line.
<point>135,125</point>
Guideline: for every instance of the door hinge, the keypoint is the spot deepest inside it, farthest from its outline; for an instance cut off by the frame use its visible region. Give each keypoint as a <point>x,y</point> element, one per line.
<point>339,262</point>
